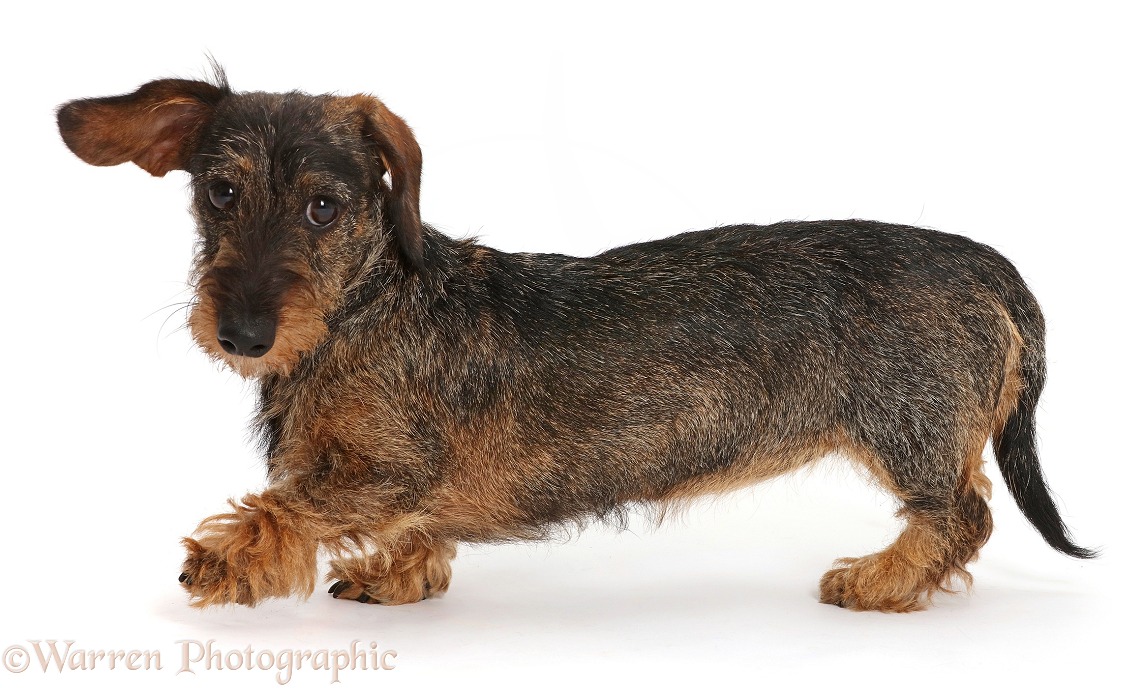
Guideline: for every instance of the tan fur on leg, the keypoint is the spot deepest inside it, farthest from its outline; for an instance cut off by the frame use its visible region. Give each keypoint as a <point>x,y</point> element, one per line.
<point>927,558</point>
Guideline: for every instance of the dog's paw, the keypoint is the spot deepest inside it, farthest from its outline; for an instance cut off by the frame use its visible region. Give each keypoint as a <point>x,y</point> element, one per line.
<point>210,579</point>
<point>348,590</point>
<point>876,583</point>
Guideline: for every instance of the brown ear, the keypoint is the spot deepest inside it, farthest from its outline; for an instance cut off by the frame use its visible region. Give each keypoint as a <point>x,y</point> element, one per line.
<point>156,127</point>
<point>400,155</point>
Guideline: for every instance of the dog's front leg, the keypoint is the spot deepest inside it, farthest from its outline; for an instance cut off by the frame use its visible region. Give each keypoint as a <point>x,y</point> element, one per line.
<point>266,547</point>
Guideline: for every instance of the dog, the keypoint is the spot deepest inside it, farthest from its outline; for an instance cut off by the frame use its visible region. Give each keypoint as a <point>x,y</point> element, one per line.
<point>418,391</point>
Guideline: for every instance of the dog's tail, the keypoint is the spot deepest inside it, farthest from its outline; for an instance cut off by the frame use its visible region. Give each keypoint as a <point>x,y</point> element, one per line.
<point>1013,438</point>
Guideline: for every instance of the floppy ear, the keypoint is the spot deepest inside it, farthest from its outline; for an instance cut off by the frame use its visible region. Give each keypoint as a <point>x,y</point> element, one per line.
<point>399,154</point>
<point>156,127</point>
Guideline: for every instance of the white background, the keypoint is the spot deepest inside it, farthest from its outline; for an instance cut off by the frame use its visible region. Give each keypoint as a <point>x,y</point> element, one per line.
<point>574,130</point>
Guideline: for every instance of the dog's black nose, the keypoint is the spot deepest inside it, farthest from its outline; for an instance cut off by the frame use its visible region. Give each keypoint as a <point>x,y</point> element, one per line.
<point>247,335</point>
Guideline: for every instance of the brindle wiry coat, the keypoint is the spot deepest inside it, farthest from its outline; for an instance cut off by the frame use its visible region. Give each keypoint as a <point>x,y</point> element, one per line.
<point>418,391</point>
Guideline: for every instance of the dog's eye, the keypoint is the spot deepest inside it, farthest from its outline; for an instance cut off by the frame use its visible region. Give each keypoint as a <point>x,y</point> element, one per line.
<point>221,195</point>
<point>321,212</point>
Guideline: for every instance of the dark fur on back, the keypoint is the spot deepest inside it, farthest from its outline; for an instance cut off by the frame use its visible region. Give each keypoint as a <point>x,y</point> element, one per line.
<point>418,391</point>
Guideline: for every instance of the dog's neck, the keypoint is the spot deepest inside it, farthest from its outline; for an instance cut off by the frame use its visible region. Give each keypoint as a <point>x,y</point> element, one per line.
<point>382,279</point>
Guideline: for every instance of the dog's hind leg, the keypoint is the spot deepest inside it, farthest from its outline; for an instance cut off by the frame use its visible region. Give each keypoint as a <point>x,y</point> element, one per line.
<point>944,494</point>
<point>413,569</point>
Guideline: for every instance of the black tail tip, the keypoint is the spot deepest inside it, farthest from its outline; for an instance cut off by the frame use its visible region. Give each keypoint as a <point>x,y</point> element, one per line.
<point>1072,550</point>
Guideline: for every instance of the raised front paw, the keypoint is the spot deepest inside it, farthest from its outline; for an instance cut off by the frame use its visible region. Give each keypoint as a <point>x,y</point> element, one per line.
<point>260,549</point>
<point>210,579</point>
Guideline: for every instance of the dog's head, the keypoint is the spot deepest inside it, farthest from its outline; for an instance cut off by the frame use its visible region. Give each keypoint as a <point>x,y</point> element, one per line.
<point>295,196</point>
